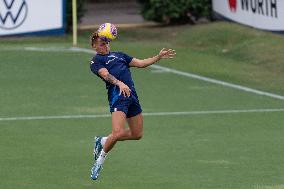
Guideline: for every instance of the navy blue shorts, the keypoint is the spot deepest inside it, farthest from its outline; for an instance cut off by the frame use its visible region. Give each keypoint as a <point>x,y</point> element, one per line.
<point>129,105</point>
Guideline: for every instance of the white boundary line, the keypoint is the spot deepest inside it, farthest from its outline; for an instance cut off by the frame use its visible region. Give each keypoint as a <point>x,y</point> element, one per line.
<point>223,83</point>
<point>145,114</point>
<point>202,78</point>
<point>186,74</point>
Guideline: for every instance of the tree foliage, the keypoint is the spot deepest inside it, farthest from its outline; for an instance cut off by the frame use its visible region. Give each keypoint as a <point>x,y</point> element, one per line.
<point>175,11</point>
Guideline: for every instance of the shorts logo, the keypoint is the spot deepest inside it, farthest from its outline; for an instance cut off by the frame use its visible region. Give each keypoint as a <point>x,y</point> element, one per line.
<point>115,109</point>
<point>13,13</point>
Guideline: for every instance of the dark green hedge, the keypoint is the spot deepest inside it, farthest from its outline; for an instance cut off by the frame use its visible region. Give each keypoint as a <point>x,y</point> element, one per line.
<point>175,11</point>
<point>80,12</point>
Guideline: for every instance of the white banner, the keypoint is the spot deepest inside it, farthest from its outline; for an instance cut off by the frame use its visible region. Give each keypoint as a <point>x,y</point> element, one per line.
<point>31,16</point>
<point>262,14</point>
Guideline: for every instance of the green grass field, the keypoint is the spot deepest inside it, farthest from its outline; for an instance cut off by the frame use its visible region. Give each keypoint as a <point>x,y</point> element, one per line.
<point>225,138</point>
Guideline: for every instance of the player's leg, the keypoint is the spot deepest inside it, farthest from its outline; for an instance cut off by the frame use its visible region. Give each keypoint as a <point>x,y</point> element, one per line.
<point>135,124</point>
<point>134,132</point>
<point>118,131</point>
<point>132,109</point>
<point>135,119</point>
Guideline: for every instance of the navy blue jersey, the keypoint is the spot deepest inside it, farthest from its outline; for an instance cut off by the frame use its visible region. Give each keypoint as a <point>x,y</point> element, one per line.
<point>117,64</point>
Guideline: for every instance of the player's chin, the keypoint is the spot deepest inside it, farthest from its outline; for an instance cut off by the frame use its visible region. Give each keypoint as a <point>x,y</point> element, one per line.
<point>104,52</point>
<point>107,52</point>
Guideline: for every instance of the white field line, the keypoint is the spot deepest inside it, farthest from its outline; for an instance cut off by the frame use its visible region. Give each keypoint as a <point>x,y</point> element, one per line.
<point>55,49</point>
<point>223,83</point>
<point>145,114</point>
<point>162,68</point>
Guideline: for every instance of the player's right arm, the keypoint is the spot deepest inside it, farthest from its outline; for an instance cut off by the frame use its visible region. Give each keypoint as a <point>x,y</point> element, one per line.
<point>124,89</point>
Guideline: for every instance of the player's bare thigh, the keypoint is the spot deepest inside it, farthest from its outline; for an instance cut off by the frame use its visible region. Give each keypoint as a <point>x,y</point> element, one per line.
<point>135,124</point>
<point>118,121</point>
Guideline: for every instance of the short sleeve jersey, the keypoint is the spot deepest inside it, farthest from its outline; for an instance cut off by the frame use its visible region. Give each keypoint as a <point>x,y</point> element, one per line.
<point>117,64</point>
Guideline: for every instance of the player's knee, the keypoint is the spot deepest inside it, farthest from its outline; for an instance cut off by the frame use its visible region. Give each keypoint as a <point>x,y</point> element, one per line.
<point>138,136</point>
<point>118,135</point>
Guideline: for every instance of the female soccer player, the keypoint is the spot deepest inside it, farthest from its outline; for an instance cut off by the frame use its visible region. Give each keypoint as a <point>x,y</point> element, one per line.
<point>113,68</point>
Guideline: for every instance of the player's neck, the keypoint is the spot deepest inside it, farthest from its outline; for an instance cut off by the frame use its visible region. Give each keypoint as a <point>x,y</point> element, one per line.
<point>103,53</point>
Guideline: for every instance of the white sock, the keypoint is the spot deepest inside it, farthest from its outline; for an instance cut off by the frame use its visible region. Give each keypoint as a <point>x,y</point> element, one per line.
<point>102,157</point>
<point>103,141</point>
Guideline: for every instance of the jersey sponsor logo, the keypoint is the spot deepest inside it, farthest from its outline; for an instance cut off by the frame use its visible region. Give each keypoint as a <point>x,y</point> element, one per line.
<point>113,58</point>
<point>109,61</point>
<point>13,13</point>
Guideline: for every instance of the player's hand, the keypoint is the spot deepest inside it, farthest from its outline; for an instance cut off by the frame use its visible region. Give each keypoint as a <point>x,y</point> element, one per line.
<point>167,53</point>
<point>123,89</point>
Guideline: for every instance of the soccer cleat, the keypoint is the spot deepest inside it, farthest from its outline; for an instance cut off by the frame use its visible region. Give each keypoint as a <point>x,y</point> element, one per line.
<point>95,171</point>
<point>98,147</point>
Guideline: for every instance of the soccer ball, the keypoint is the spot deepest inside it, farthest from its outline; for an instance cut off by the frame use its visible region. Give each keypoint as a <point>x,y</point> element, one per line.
<point>107,31</point>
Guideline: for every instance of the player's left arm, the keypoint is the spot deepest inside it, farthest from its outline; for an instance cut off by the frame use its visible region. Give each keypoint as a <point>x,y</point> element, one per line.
<point>164,54</point>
